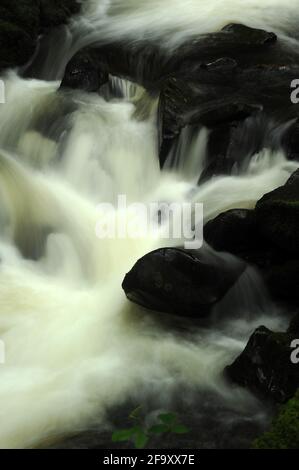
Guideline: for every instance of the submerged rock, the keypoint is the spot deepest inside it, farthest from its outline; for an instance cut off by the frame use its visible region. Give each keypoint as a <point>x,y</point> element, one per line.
<point>180,282</point>
<point>265,366</point>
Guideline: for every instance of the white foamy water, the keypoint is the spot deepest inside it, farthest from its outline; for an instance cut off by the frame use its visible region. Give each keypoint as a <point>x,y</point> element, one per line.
<point>74,345</point>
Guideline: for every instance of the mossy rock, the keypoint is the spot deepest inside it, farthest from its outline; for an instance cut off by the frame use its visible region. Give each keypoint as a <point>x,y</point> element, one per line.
<point>284,432</point>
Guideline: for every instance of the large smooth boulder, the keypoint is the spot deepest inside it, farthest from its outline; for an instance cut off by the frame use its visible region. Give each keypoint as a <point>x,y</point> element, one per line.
<point>265,365</point>
<point>181,282</point>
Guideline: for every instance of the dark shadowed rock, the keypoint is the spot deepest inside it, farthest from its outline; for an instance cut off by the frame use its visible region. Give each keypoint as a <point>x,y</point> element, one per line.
<point>148,64</point>
<point>237,41</point>
<point>236,231</point>
<point>283,280</point>
<point>278,216</point>
<point>233,231</point>
<point>265,366</point>
<point>22,21</point>
<point>222,92</point>
<point>294,326</point>
<point>84,72</point>
<point>291,141</point>
<point>140,62</point>
<point>180,282</point>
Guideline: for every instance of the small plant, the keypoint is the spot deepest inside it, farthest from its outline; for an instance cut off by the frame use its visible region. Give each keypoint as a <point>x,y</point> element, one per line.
<point>140,435</point>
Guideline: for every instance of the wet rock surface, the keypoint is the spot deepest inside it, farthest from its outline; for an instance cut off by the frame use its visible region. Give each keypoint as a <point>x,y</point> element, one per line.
<point>84,72</point>
<point>216,80</point>
<point>149,64</point>
<point>266,237</point>
<point>222,93</point>
<point>265,366</point>
<point>179,282</point>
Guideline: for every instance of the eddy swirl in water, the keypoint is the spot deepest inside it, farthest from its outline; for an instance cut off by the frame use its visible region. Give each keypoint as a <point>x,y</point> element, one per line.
<point>76,348</point>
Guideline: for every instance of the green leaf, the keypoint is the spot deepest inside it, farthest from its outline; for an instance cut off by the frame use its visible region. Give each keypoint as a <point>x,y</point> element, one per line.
<point>180,429</point>
<point>122,435</point>
<point>136,413</point>
<point>168,418</point>
<point>140,440</point>
<point>159,429</point>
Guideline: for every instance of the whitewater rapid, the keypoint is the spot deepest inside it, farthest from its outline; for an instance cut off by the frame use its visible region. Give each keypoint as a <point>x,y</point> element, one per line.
<point>75,347</point>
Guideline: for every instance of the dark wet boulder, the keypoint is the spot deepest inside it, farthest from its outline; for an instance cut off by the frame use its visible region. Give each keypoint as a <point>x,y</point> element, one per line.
<point>218,166</point>
<point>22,21</point>
<point>16,45</point>
<point>277,216</point>
<point>193,102</point>
<point>149,64</point>
<point>270,83</point>
<point>234,231</point>
<point>19,26</point>
<point>222,93</point>
<point>181,282</point>
<point>140,62</point>
<point>265,365</point>
<point>84,72</point>
<point>231,145</point>
<point>237,41</point>
<point>283,280</point>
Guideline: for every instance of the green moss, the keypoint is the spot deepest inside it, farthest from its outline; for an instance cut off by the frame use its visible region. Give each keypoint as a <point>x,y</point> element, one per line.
<point>284,433</point>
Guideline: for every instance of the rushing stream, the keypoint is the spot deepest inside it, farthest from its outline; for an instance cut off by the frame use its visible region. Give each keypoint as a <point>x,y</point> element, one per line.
<point>75,347</point>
